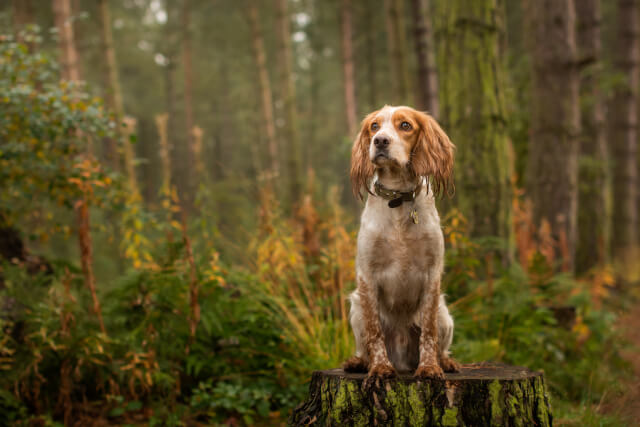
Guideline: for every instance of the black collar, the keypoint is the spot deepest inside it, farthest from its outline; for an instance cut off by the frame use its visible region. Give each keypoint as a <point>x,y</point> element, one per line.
<point>396,197</point>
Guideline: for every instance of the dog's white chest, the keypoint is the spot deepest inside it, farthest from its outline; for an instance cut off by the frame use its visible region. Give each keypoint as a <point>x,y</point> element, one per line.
<point>398,256</point>
<point>397,264</point>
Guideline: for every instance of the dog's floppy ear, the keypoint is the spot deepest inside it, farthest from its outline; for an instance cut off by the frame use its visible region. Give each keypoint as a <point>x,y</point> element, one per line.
<point>361,167</point>
<point>433,154</point>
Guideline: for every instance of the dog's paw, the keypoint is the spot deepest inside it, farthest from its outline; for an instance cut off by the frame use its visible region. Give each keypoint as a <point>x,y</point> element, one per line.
<point>378,372</point>
<point>382,370</point>
<point>448,364</point>
<point>429,371</point>
<point>355,364</point>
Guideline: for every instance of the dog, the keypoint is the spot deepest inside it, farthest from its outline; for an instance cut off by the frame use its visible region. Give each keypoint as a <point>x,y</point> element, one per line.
<point>403,159</point>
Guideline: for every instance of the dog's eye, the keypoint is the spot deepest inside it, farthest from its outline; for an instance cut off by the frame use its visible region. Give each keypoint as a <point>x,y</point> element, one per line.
<point>375,126</point>
<point>405,126</point>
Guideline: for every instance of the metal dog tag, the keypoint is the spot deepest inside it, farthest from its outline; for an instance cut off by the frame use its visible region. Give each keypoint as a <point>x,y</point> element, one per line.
<point>414,216</point>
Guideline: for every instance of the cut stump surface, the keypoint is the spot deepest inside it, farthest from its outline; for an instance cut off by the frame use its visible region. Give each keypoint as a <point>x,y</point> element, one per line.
<point>479,395</point>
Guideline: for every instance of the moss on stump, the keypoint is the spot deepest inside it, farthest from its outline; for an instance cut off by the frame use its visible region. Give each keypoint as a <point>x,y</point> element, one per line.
<point>479,395</point>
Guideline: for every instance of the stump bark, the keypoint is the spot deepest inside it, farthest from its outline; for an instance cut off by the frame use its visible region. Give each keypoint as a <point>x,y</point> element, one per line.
<point>478,395</point>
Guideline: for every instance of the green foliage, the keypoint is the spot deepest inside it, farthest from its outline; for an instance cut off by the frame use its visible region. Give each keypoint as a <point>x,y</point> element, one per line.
<point>45,126</point>
<point>513,316</point>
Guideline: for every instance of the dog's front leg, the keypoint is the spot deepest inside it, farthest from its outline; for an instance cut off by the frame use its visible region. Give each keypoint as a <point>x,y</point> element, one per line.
<point>428,366</point>
<point>379,364</point>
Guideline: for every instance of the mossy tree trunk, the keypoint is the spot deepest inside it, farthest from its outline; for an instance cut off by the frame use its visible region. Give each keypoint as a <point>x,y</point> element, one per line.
<point>473,113</point>
<point>552,170</point>
<point>480,395</point>
<point>593,191</point>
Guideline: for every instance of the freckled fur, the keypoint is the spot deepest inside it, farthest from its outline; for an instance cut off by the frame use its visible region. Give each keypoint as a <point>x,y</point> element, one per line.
<point>400,320</point>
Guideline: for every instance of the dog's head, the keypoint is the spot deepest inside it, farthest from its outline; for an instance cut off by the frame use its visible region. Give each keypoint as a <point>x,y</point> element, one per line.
<point>401,138</point>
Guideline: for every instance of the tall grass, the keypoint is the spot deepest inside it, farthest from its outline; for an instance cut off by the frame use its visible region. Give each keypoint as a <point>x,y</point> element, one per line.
<point>305,270</point>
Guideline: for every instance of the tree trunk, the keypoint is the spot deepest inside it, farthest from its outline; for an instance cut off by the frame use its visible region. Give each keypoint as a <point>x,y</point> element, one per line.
<point>164,152</point>
<point>624,135</point>
<point>370,52</point>
<point>480,395</point>
<point>552,169</point>
<point>473,113</point>
<point>71,72</point>
<point>259,55</point>
<point>192,173</point>
<point>114,98</point>
<point>86,257</point>
<point>427,74</point>
<point>397,51</point>
<point>347,66</point>
<point>68,53</point>
<point>593,192</point>
<point>288,94</point>
<point>197,134</point>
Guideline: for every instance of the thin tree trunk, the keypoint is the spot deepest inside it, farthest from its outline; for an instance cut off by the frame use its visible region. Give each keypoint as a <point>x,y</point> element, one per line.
<point>347,66</point>
<point>196,134</point>
<point>624,134</point>
<point>71,72</point>
<point>397,51</point>
<point>114,97</point>
<point>427,74</point>
<point>86,256</point>
<point>194,286</point>
<point>164,152</point>
<point>178,139</point>
<point>552,169</point>
<point>473,113</point>
<point>68,53</point>
<point>288,93</point>
<point>594,192</point>
<point>170,99</point>
<point>372,75</point>
<point>259,56</point>
<point>188,93</point>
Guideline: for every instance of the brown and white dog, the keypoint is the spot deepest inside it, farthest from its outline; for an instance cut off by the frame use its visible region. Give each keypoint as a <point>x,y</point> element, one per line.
<point>403,159</point>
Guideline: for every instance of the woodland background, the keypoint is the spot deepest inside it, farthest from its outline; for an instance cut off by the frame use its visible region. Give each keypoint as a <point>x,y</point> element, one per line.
<point>177,233</point>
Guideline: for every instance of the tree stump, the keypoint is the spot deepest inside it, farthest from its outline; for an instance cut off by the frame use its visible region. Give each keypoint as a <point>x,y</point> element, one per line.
<point>479,395</point>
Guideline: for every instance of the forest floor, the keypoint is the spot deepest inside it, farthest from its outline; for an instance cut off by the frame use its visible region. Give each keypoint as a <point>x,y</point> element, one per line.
<point>627,405</point>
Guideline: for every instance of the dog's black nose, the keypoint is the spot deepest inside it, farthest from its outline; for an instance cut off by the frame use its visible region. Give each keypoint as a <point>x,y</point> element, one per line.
<point>380,141</point>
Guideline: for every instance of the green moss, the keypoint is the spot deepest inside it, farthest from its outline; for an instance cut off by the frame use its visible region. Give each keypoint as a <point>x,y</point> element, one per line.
<point>417,403</point>
<point>397,400</point>
<point>496,408</point>
<point>360,414</point>
<point>450,417</point>
<point>340,401</point>
<point>515,403</point>
<point>541,402</point>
